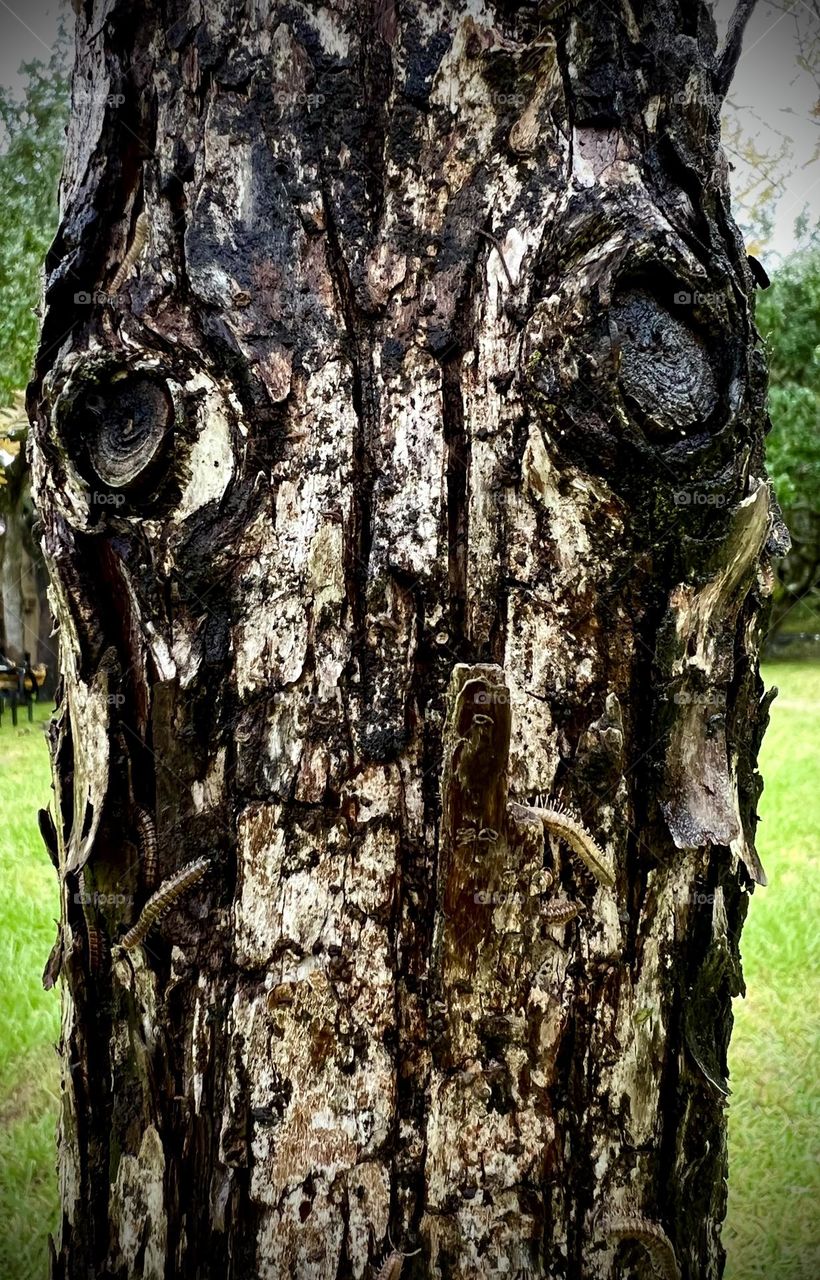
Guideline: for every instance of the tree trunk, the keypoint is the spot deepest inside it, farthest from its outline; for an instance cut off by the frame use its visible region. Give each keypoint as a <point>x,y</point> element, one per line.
<point>25,621</point>
<point>402,483</point>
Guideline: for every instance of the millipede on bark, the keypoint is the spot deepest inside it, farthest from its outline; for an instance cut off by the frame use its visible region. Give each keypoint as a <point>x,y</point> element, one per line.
<point>140,236</point>
<point>559,911</point>
<point>653,1238</point>
<point>97,948</point>
<point>568,827</point>
<point>161,902</point>
<point>147,841</point>
<point>393,1263</point>
<point>96,941</point>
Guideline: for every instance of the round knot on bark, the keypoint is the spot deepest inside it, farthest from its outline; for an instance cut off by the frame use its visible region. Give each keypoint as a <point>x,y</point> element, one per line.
<point>126,427</point>
<point>665,372</point>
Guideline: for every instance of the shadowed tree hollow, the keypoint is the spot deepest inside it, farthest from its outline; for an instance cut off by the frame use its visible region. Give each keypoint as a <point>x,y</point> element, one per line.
<point>399,420</point>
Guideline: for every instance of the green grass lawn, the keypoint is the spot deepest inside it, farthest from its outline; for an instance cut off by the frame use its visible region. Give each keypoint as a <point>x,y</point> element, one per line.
<point>29,1016</point>
<point>772,1228</point>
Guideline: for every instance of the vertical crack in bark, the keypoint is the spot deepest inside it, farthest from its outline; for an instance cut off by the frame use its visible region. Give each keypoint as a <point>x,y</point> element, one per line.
<point>362,393</point>
<point>458,470</point>
<point>377,85</point>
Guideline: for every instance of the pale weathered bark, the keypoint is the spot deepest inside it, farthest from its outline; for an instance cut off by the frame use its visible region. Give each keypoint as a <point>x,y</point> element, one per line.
<point>426,364</point>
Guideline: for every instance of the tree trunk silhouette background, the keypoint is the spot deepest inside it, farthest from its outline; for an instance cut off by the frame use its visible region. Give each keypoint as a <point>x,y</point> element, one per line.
<point>405,472</point>
<point>25,620</point>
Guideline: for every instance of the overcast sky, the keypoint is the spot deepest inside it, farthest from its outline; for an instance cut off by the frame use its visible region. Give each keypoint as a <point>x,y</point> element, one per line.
<point>775,97</point>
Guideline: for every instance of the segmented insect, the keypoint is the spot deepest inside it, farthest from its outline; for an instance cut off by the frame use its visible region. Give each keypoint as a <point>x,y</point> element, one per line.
<point>567,826</point>
<point>559,911</point>
<point>95,938</point>
<point>393,1263</point>
<point>97,948</point>
<point>391,1268</point>
<point>147,841</point>
<point>140,236</point>
<point>160,903</point>
<point>653,1238</point>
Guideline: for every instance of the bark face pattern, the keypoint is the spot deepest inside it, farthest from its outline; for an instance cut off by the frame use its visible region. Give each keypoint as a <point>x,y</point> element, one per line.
<point>409,469</point>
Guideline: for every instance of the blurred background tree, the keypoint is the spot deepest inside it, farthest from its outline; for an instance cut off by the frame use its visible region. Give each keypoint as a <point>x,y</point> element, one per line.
<point>788,316</point>
<point>32,140</point>
<point>771,135</point>
<point>32,128</point>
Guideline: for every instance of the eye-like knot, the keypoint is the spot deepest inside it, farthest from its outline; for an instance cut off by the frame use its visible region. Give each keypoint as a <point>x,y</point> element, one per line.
<point>126,428</point>
<point>665,369</point>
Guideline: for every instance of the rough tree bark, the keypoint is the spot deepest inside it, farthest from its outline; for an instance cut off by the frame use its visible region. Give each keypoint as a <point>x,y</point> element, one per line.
<point>408,468</point>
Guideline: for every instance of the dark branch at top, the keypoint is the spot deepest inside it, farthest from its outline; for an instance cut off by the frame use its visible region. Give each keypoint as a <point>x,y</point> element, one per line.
<point>734,42</point>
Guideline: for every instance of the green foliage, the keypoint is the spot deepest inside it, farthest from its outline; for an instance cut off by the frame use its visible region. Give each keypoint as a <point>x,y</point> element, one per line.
<point>31,151</point>
<point>788,316</point>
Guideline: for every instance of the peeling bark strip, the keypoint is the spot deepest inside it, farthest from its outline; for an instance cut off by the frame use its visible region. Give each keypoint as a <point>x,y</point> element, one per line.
<point>492,945</point>
<point>413,469</point>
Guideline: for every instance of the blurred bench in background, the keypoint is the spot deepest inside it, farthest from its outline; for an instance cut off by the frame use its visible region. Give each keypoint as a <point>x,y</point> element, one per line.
<point>20,685</point>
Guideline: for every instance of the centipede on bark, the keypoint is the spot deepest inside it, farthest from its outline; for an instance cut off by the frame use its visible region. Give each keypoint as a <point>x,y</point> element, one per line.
<point>137,244</point>
<point>161,902</point>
